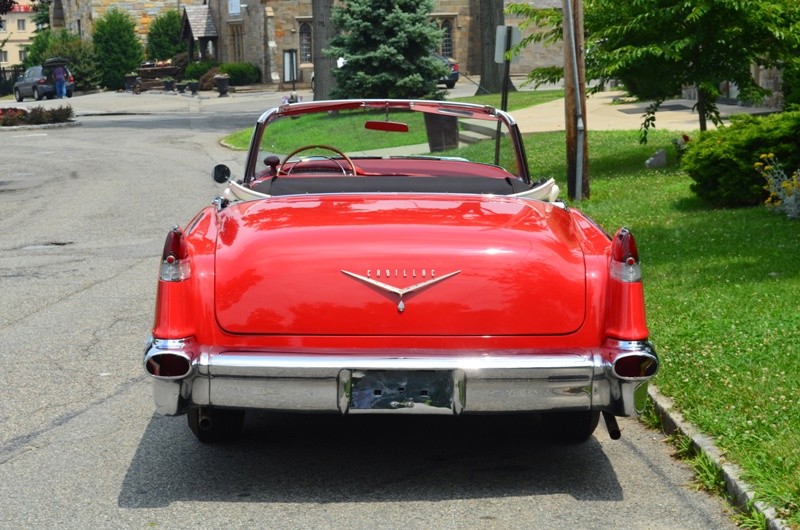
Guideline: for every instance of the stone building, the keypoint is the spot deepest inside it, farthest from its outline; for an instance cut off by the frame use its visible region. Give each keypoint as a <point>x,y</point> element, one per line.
<point>19,28</point>
<point>276,35</point>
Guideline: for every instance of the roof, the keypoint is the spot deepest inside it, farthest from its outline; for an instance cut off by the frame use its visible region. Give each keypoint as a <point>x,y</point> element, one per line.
<point>199,21</point>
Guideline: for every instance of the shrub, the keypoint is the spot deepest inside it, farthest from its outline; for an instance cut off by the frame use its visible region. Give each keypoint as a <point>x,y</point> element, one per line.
<point>180,61</point>
<point>207,80</point>
<point>10,117</point>
<point>36,116</point>
<point>721,161</point>
<point>241,73</point>
<point>784,190</point>
<point>198,69</point>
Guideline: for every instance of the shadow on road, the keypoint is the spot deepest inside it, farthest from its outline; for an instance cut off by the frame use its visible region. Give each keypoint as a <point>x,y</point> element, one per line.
<point>335,459</point>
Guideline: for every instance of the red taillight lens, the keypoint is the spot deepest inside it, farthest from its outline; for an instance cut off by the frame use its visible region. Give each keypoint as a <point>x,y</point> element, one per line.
<point>454,67</point>
<point>625,257</point>
<point>174,260</point>
<point>71,79</point>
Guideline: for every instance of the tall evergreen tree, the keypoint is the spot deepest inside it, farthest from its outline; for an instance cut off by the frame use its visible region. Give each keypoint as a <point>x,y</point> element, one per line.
<point>164,36</point>
<point>386,46</point>
<point>117,47</point>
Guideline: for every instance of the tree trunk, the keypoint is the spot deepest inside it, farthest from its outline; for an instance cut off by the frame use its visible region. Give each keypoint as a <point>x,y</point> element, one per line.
<point>489,17</point>
<point>323,31</point>
<point>702,107</point>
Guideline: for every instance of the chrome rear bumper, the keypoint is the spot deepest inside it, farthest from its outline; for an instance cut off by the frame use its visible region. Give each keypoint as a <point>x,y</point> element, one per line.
<point>427,385</point>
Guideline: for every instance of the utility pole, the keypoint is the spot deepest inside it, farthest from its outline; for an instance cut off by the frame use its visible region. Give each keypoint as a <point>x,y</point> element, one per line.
<point>575,101</point>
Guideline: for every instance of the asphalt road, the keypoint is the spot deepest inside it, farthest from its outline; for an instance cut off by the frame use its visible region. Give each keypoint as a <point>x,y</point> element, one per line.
<point>86,210</point>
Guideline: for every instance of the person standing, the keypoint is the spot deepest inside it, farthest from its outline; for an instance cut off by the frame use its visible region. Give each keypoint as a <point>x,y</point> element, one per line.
<point>60,75</point>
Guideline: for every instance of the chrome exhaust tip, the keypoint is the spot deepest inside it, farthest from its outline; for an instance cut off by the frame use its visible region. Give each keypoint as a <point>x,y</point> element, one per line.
<point>167,365</point>
<point>635,366</point>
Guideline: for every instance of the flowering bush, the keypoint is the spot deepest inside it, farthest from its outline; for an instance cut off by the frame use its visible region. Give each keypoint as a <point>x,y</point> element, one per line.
<point>680,145</point>
<point>784,191</point>
<point>10,117</point>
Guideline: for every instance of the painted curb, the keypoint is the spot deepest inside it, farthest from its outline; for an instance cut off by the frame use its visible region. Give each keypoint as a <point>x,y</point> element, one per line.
<point>742,494</point>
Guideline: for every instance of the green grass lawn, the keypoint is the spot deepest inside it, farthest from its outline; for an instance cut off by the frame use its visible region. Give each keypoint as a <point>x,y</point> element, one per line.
<point>723,303</point>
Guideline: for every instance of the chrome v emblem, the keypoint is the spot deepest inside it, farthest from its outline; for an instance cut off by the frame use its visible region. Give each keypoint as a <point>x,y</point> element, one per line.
<point>401,306</point>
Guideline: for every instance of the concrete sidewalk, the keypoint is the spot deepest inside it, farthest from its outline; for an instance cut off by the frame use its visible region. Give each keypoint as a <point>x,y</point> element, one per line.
<point>603,113</point>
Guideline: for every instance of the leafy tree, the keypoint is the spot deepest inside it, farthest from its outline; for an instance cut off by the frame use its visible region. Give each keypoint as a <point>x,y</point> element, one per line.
<point>655,47</point>
<point>164,38</point>
<point>62,43</point>
<point>386,45</point>
<point>37,50</point>
<point>117,48</point>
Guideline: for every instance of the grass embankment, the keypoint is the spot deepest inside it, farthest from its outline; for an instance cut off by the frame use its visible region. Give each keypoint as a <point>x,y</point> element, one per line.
<point>723,301</point>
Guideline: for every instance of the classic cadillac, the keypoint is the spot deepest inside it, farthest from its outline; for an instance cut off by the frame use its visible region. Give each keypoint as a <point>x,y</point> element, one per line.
<point>396,257</point>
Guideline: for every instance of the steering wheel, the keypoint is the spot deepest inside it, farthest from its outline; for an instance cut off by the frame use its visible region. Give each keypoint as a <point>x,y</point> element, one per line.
<point>329,148</point>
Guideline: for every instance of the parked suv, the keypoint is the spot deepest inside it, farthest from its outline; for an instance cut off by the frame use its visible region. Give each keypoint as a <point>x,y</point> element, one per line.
<point>37,82</point>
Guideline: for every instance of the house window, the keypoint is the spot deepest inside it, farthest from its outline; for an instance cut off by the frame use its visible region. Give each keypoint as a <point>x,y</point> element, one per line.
<point>2,26</point>
<point>3,56</point>
<point>22,55</point>
<point>234,8</point>
<point>305,43</point>
<point>21,24</point>
<point>447,39</point>
<point>237,47</point>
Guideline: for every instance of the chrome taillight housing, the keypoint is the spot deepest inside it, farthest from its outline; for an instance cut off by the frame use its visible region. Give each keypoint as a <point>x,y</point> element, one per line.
<point>175,265</point>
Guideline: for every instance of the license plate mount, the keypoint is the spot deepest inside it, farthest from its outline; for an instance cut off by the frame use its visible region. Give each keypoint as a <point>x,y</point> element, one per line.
<point>401,391</point>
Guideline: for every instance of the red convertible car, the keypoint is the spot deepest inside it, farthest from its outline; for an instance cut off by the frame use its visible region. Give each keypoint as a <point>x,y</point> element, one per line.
<point>396,257</point>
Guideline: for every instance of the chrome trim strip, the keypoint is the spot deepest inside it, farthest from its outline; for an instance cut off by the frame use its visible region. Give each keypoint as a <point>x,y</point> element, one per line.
<point>481,383</point>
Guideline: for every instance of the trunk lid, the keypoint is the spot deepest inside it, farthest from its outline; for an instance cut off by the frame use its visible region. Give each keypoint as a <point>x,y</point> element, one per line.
<point>398,265</point>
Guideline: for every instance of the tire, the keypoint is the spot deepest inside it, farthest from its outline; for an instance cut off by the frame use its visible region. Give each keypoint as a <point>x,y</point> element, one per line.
<point>17,95</point>
<point>69,93</point>
<point>36,95</point>
<point>211,425</point>
<point>571,427</point>
<point>450,84</point>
